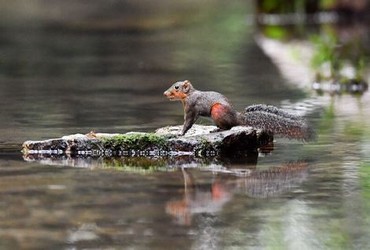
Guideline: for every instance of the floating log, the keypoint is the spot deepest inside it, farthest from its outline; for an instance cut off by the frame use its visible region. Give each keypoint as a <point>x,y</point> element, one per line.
<point>199,141</point>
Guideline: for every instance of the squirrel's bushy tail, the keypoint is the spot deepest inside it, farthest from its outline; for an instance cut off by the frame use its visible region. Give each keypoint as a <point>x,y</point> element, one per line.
<point>277,121</point>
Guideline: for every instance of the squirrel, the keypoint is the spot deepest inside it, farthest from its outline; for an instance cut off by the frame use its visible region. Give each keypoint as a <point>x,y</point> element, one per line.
<point>215,105</point>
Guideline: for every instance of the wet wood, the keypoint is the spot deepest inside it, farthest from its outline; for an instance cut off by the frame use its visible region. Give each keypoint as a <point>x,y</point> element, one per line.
<point>200,141</point>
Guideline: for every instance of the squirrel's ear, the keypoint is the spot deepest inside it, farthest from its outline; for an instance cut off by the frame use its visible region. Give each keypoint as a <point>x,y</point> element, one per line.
<point>186,85</point>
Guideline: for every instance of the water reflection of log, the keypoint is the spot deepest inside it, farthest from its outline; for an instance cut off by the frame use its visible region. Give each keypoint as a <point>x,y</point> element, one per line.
<point>137,162</point>
<point>257,184</point>
<point>249,157</point>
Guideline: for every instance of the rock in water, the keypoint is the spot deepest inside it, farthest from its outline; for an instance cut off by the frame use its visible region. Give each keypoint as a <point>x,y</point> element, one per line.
<point>200,141</point>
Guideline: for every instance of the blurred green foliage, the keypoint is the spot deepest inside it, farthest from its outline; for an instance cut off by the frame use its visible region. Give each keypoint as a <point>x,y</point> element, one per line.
<point>276,32</point>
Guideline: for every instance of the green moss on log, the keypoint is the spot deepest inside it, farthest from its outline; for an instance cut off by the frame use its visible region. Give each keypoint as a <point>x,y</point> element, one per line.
<point>136,141</point>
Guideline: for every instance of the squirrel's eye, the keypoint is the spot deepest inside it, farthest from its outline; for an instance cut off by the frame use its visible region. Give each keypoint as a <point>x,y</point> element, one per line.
<point>176,87</point>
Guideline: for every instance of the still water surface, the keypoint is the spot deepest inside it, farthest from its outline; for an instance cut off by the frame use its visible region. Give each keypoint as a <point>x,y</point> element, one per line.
<point>59,81</point>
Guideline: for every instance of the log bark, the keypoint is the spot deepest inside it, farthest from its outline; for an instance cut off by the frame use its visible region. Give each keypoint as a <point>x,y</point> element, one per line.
<point>199,141</point>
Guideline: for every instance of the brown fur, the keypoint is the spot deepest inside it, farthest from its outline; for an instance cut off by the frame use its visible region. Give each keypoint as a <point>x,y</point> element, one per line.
<point>213,104</point>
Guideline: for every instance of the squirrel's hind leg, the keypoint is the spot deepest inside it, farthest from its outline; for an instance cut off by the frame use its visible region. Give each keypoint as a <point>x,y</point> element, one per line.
<point>223,116</point>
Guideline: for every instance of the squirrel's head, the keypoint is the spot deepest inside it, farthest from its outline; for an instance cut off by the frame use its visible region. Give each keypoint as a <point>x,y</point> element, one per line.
<point>179,90</point>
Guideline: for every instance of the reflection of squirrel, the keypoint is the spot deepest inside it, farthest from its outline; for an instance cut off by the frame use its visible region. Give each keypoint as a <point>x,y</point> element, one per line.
<point>212,104</point>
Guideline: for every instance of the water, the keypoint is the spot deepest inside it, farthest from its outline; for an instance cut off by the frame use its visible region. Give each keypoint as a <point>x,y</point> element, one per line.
<point>61,80</point>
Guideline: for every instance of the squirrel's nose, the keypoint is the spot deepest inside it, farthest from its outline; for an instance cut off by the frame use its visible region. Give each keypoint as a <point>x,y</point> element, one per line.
<point>165,93</point>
